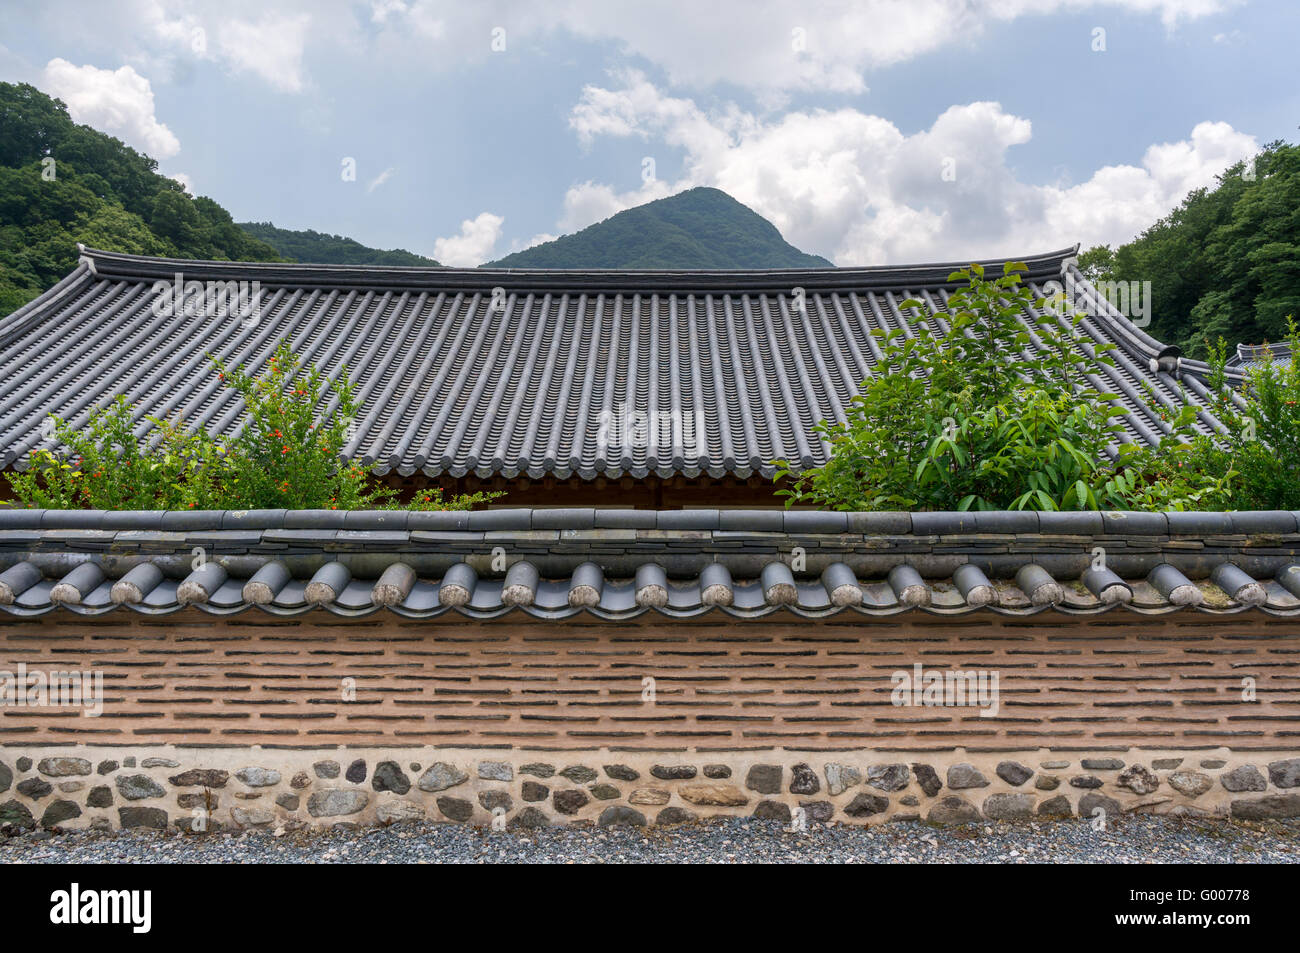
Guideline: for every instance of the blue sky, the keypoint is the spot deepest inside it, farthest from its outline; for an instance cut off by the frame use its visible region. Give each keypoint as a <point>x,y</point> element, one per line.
<point>868,132</point>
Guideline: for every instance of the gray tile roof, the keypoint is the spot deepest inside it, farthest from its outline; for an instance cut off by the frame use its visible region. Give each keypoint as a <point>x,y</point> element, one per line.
<point>618,564</point>
<point>450,386</point>
<point>1249,356</point>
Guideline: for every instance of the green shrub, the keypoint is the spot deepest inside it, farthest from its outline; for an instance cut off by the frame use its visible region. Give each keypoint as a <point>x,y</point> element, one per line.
<point>103,466</point>
<point>967,414</point>
<point>286,455</point>
<point>1259,454</point>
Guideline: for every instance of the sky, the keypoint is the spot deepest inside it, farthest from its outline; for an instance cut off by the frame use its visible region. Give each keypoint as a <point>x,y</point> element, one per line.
<point>869,132</point>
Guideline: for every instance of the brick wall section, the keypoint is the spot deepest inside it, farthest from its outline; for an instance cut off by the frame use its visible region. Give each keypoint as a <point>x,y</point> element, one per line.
<point>1104,683</point>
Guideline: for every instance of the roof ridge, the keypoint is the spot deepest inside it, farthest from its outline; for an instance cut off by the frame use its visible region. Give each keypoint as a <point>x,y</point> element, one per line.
<point>120,264</point>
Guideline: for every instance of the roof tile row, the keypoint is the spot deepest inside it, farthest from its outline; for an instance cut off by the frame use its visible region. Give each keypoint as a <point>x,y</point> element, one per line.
<point>740,522</point>
<point>554,563</point>
<point>87,589</point>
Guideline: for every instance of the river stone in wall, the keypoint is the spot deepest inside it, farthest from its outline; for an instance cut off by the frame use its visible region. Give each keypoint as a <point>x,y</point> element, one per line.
<point>888,777</point>
<point>841,777</point>
<point>336,803</point>
<point>63,767</point>
<point>1244,778</point>
<point>442,776</point>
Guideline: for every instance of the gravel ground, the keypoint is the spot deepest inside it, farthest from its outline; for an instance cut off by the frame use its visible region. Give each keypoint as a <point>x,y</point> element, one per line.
<point>1137,840</point>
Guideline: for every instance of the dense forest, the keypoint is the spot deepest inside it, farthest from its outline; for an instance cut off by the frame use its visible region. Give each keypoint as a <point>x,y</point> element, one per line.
<point>1225,263</point>
<point>698,228</point>
<point>313,246</point>
<point>63,183</point>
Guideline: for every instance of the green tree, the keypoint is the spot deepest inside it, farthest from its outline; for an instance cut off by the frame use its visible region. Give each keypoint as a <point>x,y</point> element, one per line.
<point>1226,262</point>
<point>967,414</point>
<point>102,193</point>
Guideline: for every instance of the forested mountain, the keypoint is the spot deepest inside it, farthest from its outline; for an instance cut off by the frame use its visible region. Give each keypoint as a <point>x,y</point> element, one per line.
<point>699,228</point>
<point>313,246</point>
<point>63,183</point>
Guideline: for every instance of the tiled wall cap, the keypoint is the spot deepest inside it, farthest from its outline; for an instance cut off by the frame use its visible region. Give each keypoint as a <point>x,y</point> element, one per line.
<point>376,519</point>
<point>327,583</point>
<point>27,589</point>
<point>185,521</point>
<point>1125,523</point>
<point>520,585</point>
<point>20,519</point>
<point>197,588</point>
<point>1288,578</point>
<point>778,585</point>
<point>625,519</point>
<point>974,586</point>
<point>942,524</point>
<point>393,585</point>
<point>146,520</point>
<point>499,520</point>
<point>76,585</point>
<point>815,522</point>
<point>842,585</point>
<point>564,518</point>
<point>651,586</point>
<point>265,584</point>
<point>1037,583</point>
<point>908,586</point>
<point>796,522</point>
<point>1255,522</point>
<point>252,519</point>
<point>1192,523</point>
<point>586,585</point>
<point>687,519</point>
<point>439,521</point>
<point>458,585</point>
<point>880,524</point>
<point>1174,586</point>
<point>71,519</point>
<point>314,519</point>
<point>1238,584</point>
<point>1107,586</point>
<point>1006,521</point>
<point>132,588</point>
<point>1070,523</point>
<point>751,521</point>
<point>717,588</point>
<point>16,580</point>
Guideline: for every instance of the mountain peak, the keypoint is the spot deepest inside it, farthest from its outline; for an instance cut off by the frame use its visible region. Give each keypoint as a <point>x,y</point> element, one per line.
<point>700,228</point>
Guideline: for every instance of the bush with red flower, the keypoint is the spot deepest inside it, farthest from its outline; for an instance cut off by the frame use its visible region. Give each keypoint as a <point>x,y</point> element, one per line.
<point>289,454</point>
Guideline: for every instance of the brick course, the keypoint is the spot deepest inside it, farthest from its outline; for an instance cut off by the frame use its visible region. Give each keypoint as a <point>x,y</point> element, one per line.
<point>1116,681</point>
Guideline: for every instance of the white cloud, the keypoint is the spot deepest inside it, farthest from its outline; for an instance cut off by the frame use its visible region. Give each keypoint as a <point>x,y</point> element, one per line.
<point>473,246</point>
<point>184,180</point>
<point>119,102</point>
<point>271,48</point>
<point>380,179</point>
<point>852,186</point>
<point>380,10</point>
<point>520,245</point>
<point>168,38</point>
<point>591,202</point>
<point>763,45</point>
<point>770,47</point>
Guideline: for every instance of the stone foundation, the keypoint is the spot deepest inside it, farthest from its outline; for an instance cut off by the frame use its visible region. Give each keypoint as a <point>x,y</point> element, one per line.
<point>222,788</point>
